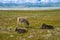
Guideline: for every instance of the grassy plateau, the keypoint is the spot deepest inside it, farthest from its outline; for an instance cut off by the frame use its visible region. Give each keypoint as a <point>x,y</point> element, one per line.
<point>8,19</point>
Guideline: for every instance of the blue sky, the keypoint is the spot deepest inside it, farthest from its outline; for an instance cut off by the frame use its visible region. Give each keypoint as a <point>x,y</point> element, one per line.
<point>32,1</point>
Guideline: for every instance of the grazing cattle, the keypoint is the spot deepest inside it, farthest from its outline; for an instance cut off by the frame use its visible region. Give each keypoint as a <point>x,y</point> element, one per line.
<point>21,30</point>
<point>45,26</point>
<point>22,19</point>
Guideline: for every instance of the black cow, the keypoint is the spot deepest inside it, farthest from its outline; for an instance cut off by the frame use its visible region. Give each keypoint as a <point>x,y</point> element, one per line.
<point>21,30</point>
<point>45,26</point>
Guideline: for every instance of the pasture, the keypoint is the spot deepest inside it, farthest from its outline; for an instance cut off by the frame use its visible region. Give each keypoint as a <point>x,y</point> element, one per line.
<point>8,19</point>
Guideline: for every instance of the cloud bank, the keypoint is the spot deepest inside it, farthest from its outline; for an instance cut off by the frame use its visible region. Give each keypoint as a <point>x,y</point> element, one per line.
<point>31,1</point>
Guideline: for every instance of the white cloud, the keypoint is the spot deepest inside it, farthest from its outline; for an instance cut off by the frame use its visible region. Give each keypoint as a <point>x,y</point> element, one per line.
<point>54,0</point>
<point>18,1</point>
<point>32,1</point>
<point>44,0</point>
<point>49,1</point>
<point>5,1</point>
<point>8,1</point>
<point>23,1</point>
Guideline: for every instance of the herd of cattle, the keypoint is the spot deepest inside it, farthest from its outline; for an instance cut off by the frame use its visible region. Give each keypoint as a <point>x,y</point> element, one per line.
<point>23,20</point>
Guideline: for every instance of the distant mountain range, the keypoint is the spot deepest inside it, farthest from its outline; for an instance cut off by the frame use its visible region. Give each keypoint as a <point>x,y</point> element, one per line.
<point>30,4</point>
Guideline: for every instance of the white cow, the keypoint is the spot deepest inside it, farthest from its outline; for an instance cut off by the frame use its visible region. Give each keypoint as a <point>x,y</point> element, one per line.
<point>21,20</point>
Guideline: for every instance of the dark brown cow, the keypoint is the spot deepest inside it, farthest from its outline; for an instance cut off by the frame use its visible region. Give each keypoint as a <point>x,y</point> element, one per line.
<point>45,26</point>
<point>21,30</point>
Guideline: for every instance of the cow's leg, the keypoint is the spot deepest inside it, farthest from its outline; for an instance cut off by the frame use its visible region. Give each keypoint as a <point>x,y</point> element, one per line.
<point>18,22</point>
<point>27,23</point>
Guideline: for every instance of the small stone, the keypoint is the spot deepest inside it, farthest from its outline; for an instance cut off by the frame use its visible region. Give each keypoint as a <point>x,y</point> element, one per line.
<point>30,36</point>
<point>11,35</point>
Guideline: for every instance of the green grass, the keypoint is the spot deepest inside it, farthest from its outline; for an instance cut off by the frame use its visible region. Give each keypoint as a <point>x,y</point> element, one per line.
<point>36,19</point>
